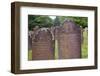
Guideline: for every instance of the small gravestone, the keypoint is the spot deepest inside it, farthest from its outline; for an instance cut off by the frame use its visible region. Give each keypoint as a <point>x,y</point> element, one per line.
<point>69,40</point>
<point>42,48</point>
<point>30,40</point>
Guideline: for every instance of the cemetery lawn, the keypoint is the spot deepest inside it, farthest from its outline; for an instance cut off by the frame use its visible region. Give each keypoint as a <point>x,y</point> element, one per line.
<point>30,55</point>
<point>84,49</point>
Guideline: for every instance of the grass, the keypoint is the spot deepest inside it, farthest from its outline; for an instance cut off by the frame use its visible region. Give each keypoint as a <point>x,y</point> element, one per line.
<point>30,55</point>
<point>56,49</point>
<point>84,49</point>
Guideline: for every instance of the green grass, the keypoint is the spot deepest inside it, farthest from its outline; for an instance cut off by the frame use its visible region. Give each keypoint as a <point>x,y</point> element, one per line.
<point>30,55</point>
<point>56,49</point>
<point>84,49</point>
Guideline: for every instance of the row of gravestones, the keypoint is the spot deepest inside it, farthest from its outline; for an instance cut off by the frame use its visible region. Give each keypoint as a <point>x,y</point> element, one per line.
<point>68,37</point>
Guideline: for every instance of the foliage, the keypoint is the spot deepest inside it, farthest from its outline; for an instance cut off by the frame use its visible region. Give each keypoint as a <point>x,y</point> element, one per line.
<point>56,21</point>
<point>46,21</point>
<point>41,21</point>
<point>80,21</point>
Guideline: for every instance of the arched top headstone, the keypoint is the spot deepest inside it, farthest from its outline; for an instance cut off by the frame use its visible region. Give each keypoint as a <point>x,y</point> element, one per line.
<point>42,34</point>
<point>42,48</point>
<point>70,26</point>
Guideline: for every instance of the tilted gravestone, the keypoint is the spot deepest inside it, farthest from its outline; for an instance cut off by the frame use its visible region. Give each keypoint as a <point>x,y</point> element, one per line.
<point>69,40</point>
<point>42,48</point>
<point>30,40</point>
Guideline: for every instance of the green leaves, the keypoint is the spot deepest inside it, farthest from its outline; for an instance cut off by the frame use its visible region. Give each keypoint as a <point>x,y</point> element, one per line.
<point>57,21</point>
<point>80,21</point>
<point>41,21</point>
<point>47,21</point>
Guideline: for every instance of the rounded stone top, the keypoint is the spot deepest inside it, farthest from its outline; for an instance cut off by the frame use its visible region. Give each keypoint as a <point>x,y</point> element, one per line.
<point>42,34</point>
<point>70,25</point>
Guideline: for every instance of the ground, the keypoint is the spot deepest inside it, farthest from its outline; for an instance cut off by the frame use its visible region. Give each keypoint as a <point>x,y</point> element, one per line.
<point>84,53</point>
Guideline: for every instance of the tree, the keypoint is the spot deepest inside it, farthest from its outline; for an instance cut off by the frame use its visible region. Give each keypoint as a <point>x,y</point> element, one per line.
<point>41,21</point>
<point>80,21</point>
<point>57,21</point>
<point>46,21</point>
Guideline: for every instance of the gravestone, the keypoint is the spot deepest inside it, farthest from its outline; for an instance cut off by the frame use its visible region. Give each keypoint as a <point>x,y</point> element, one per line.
<point>69,40</point>
<point>30,40</point>
<point>42,48</point>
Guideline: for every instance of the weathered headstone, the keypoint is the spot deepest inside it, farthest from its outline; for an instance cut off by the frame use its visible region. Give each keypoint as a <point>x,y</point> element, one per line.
<point>42,48</point>
<point>69,40</point>
<point>64,42</point>
<point>30,40</point>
